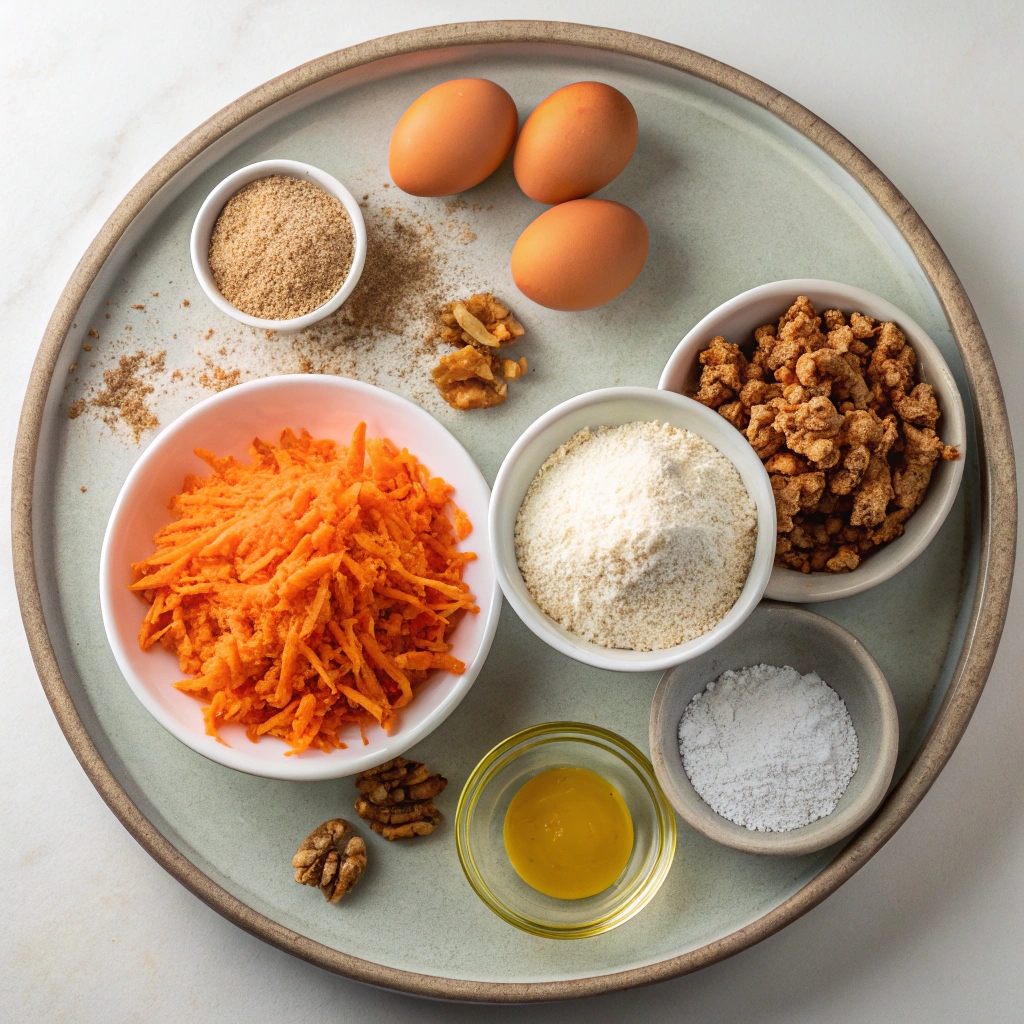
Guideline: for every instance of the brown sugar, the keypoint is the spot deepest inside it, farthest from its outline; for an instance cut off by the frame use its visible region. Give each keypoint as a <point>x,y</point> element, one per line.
<point>386,330</point>
<point>401,282</point>
<point>281,248</point>
<point>217,378</point>
<point>125,395</point>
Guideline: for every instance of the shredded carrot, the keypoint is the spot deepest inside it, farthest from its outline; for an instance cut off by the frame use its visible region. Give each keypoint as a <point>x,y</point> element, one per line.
<point>316,587</point>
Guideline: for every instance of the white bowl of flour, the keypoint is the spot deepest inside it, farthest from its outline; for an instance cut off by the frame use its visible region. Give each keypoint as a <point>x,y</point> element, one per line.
<point>678,569</point>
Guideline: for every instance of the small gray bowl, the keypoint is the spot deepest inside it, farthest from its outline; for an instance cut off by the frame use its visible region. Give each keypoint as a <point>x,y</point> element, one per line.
<point>778,634</point>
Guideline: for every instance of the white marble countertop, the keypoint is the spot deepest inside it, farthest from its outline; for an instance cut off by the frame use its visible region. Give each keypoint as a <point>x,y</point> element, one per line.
<point>93,94</point>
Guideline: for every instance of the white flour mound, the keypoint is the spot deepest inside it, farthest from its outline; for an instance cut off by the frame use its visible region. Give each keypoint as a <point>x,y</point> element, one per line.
<point>639,536</point>
<point>768,748</point>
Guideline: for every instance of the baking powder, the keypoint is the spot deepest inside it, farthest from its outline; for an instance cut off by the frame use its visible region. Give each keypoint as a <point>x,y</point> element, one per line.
<point>768,748</point>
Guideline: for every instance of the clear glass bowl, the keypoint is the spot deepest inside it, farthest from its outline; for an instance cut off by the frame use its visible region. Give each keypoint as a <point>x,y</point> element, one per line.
<point>480,822</point>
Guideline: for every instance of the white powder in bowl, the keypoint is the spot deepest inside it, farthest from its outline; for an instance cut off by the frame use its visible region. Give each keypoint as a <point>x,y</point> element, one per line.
<point>639,536</point>
<point>768,748</point>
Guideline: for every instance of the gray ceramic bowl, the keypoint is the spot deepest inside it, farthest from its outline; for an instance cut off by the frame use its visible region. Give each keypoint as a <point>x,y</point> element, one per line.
<point>777,634</point>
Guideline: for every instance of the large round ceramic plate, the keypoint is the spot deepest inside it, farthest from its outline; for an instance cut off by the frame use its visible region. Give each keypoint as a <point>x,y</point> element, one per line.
<point>739,185</point>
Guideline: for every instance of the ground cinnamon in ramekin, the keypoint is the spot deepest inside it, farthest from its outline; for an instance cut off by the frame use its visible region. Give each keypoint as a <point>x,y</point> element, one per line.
<point>281,247</point>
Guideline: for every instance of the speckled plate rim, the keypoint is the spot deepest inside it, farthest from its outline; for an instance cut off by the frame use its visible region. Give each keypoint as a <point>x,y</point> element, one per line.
<point>997,513</point>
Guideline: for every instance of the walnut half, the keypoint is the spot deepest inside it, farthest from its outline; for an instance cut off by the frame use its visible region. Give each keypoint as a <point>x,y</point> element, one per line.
<point>397,798</point>
<point>474,376</point>
<point>481,314</point>
<point>466,380</point>
<point>332,857</point>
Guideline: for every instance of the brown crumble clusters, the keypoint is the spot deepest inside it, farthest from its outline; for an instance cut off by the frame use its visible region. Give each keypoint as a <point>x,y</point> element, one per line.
<point>474,376</point>
<point>93,333</point>
<point>843,426</point>
<point>83,488</point>
<point>281,248</point>
<point>72,368</point>
<point>76,408</point>
<point>138,305</point>
<point>87,348</point>
<point>185,302</point>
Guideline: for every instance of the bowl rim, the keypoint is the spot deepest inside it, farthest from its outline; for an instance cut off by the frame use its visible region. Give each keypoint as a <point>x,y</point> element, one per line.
<point>570,732</point>
<point>206,218</point>
<point>884,563</point>
<point>798,841</point>
<point>555,635</point>
<point>292,769</point>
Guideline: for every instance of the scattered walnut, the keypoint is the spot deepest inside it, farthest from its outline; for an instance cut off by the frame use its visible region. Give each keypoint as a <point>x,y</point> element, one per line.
<point>846,432</point>
<point>489,313</point>
<point>474,376</point>
<point>332,857</point>
<point>396,798</point>
<point>466,380</point>
<point>512,370</point>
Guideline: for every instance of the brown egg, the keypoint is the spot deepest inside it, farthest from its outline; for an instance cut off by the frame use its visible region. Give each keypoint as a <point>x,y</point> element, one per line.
<point>452,137</point>
<point>580,254</point>
<point>577,141</point>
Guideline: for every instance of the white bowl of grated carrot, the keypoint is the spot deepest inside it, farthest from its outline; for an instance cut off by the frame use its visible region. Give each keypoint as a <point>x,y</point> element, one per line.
<point>315,596</point>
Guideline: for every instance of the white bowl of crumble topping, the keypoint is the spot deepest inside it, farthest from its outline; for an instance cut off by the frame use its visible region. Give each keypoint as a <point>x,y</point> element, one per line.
<point>911,531</point>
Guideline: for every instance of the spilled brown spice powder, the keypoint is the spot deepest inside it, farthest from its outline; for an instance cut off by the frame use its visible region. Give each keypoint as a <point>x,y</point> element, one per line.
<point>215,377</point>
<point>387,327</point>
<point>124,396</point>
<point>401,281</point>
<point>386,333</point>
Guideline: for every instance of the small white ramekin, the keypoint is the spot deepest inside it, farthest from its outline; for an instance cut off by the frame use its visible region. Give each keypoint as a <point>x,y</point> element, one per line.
<point>736,320</point>
<point>612,407</point>
<point>202,229</point>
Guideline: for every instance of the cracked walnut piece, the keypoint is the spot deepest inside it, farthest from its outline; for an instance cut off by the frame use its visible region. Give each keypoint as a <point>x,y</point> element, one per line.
<point>397,799</point>
<point>843,427</point>
<point>332,857</point>
<point>474,377</point>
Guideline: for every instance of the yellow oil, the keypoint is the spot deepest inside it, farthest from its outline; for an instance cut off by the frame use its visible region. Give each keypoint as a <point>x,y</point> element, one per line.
<point>568,833</point>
